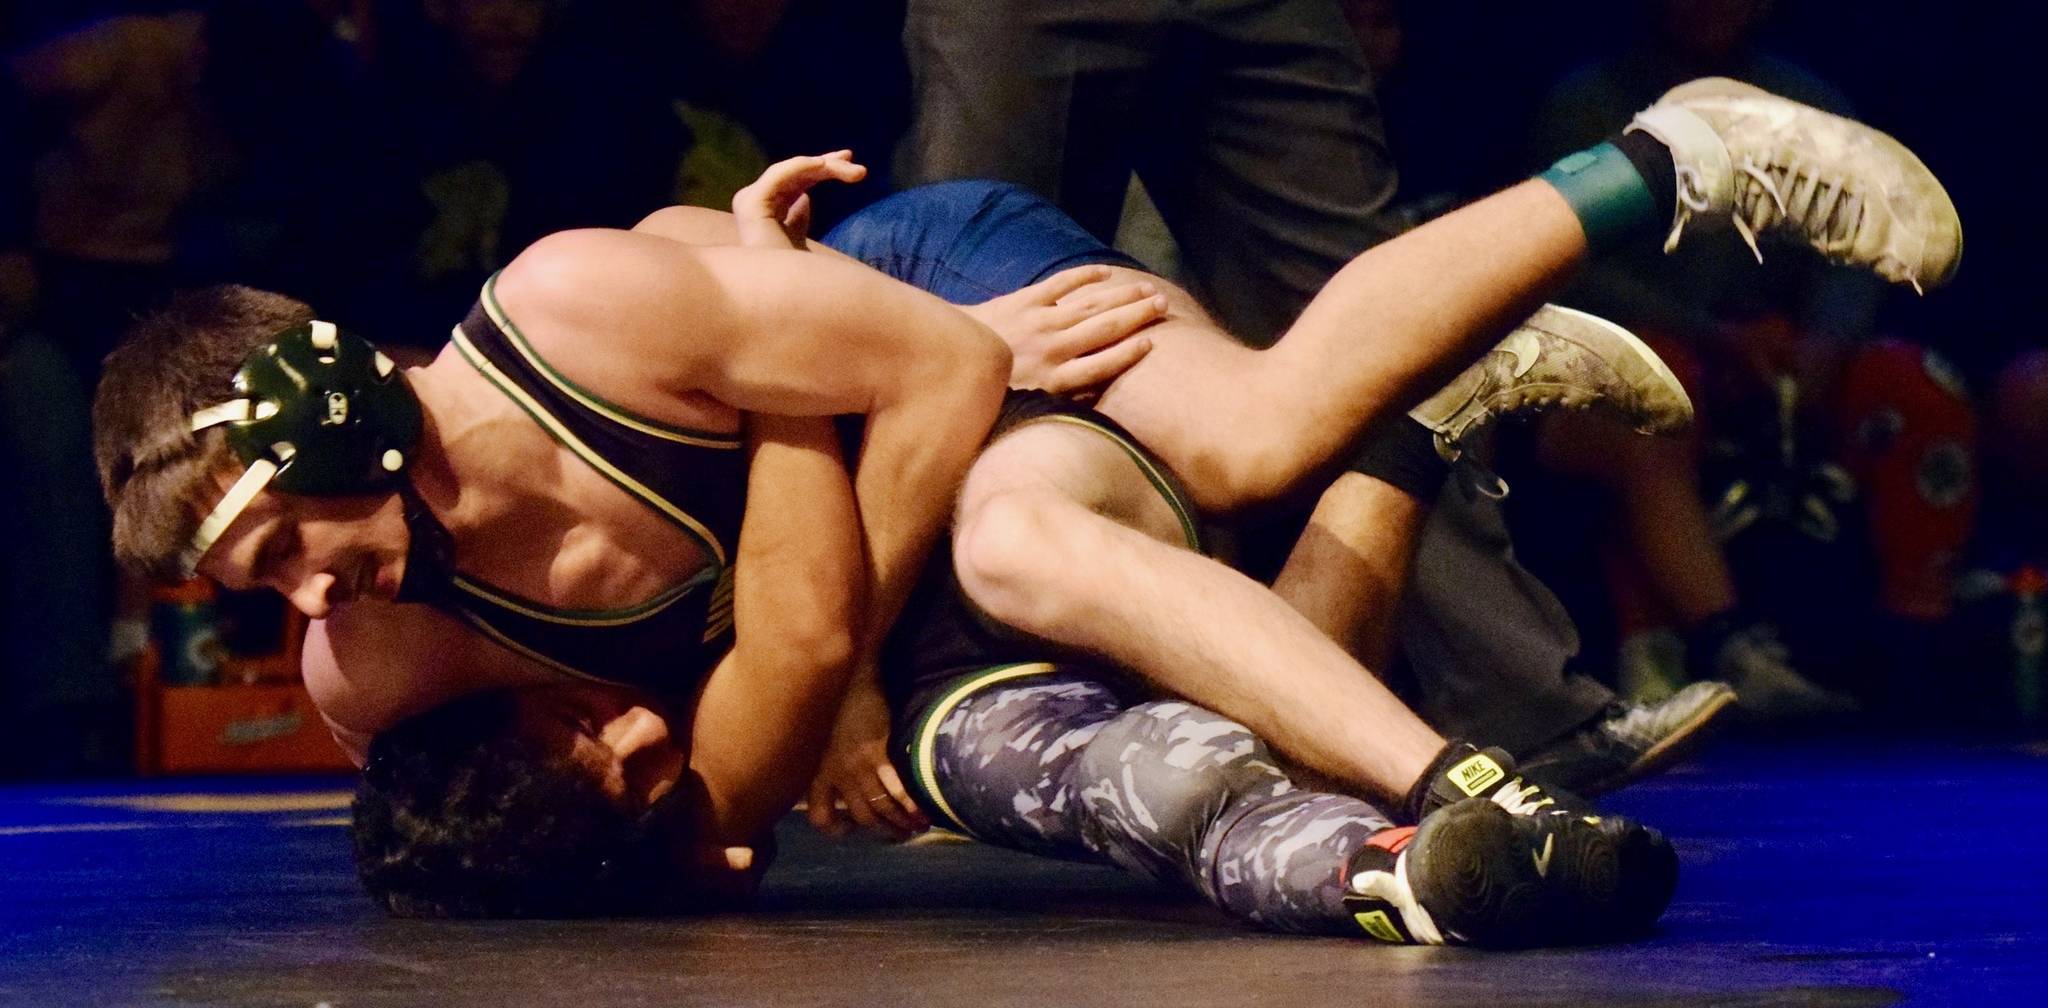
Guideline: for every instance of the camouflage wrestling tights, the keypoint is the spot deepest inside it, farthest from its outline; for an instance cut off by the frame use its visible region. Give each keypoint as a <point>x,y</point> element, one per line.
<point>1059,765</point>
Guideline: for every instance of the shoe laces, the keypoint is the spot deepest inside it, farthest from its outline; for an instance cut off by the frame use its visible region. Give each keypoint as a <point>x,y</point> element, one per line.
<point>1522,798</point>
<point>1830,212</point>
<point>1692,199</point>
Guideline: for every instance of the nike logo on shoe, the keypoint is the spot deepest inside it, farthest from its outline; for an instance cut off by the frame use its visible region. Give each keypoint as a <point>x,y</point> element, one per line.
<point>1543,859</point>
<point>1525,348</point>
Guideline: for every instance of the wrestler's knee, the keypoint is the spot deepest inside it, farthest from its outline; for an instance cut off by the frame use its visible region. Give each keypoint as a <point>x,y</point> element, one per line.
<point>1007,552</point>
<point>1256,463</point>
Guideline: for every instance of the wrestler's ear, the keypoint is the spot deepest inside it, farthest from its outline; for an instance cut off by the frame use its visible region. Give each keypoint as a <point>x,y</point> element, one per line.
<point>651,759</point>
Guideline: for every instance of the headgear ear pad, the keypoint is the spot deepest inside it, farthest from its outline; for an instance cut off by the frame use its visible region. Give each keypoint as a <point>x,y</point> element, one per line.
<point>334,412</point>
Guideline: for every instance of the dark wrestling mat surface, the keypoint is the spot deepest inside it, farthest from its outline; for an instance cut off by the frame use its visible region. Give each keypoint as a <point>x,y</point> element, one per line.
<point>1844,874</point>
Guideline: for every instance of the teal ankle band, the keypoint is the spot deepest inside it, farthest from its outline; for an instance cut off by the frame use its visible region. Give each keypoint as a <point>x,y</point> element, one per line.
<point>1605,191</point>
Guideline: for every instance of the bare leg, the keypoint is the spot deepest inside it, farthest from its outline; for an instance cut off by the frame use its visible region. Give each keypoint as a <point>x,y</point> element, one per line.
<point>1349,569</point>
<point>1040,548</point>
<point>1060,536</point>
<point>1241,426</point>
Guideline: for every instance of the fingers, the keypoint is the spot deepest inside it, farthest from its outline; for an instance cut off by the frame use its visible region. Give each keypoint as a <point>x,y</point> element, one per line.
<point>804,172</point>
<point>1052,289</point>
<point>868,812</point>
<point>1095,299</point>
<point>1097,369</point>
<point>892,810</point>
<point>1103,328</point>
<point>893,784</point>
<point>823,809</point>
<point>786,181</point>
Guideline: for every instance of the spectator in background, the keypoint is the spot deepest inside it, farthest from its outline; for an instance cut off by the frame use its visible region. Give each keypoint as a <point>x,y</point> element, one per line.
<point>144,151</point>
<point>1710,309</point>
<point>514,119</point>
<point>104,99</point>
<point>94,103</point>
<point>2000,631</point>
<point>800,76</point>
<point>298,154</point>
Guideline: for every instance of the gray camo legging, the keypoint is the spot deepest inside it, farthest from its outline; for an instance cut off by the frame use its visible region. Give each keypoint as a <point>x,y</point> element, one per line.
<point>1059,765</point>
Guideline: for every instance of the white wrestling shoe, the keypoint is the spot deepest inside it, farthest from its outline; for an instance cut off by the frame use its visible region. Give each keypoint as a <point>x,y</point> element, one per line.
<point>1560,358</point>
<point>1769,164</point>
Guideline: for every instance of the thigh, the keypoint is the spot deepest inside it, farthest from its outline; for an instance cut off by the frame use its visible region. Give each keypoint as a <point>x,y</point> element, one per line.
<point>988,752</point>
<point>1042,446</point>
<point>1077,458</point>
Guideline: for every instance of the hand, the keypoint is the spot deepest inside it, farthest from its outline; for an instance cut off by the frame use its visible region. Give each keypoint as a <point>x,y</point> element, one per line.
<point>774,211</point>
<point>856,784</point>
<point>1075,331</point>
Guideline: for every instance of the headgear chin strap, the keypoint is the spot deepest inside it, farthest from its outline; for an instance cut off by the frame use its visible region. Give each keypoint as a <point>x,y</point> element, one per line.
<point>317,412</point>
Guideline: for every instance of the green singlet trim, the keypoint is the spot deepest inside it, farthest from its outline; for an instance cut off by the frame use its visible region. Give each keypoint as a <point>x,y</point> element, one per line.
<point>1605,191</point>
<point>561,433</point>
<point>1161,480</point>
<point>924,736</point>
<point>612,411</point>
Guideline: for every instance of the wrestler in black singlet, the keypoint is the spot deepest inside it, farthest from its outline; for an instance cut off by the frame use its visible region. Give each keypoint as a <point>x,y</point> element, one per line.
<point>697,480</point>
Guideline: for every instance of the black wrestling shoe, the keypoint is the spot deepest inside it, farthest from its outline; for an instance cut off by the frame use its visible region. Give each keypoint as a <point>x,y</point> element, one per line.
<point>1473,874</point>
<point>1601,900</point>
<point>1627,742</point>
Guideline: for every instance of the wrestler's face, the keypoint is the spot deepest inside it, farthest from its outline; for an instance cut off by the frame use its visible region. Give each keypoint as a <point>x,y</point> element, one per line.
<point>623,739</point>
<point>619,736</point>
<point>318,552</point>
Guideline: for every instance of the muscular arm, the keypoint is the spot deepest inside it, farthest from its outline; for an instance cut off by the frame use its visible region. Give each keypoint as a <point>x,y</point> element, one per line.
<point>647,320</point>
<point>764,712</point>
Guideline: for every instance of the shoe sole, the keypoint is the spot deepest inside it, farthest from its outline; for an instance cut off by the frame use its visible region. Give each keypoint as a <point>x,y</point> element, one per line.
<point>1723,87</point>
<point>1483,877</point>
<point>1648,868</point>
<point>1682,742</point>
<point>1572,323</point>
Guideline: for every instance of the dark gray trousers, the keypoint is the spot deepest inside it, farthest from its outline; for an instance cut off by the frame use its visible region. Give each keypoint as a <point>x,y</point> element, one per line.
<point>1252,124</point>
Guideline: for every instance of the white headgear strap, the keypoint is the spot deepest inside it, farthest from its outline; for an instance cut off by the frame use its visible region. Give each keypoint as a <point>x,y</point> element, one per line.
<point>254,479</point>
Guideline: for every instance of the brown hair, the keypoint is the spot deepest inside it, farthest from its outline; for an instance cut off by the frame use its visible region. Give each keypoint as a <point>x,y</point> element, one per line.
<point>160,478</point>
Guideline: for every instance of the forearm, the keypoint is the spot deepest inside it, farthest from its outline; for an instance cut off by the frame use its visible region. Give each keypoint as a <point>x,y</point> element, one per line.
<point>766,711</point>
<point>915,453</point>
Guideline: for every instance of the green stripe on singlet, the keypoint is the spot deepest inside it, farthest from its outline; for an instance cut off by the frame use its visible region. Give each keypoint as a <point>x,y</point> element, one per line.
<point>1168,487</point>
<point>924,736</point>
<point>591,400</point>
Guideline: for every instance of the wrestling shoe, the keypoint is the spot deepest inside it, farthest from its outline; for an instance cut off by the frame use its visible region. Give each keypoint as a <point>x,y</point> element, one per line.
<point>1627,742</point>
<point>1768,164</point>
<point>1472,874</point>
<point>1645,867</point>
<point>1562,358</point>
<point>1767,687</point>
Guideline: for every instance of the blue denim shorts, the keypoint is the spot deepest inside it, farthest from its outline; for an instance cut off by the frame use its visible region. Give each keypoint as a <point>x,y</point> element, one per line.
<point>968,241</point>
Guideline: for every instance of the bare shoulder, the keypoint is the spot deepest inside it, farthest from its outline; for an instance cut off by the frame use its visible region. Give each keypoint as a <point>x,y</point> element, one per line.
<point>594,291</point>
<point>640,319</point>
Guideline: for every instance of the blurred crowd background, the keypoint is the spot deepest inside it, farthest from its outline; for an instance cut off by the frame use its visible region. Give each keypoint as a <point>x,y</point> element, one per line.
<point>1863,500</point>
